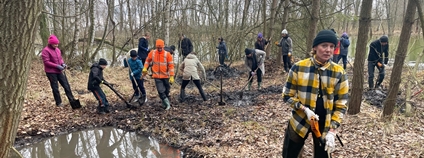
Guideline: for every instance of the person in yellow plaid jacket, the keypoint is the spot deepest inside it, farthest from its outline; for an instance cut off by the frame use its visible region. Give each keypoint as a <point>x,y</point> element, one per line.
<point>316,88</point>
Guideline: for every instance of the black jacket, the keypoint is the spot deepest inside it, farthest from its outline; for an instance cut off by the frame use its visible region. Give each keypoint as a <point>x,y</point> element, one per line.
<point>376,52</point>
<point>186,46</point>
<point>143,47</point>
<point>96,77</point>
<point>261,44</point>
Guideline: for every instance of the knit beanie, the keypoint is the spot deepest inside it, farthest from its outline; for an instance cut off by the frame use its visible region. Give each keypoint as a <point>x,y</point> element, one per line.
<point>160,43</point>
<point>284,31</point>
<point>133,53</point>
<point>248,51</point>
<point>260,35</point>
<point>53,40</point>
<point>325,36</point>
<point>384,38</point>
<point>102,61</point>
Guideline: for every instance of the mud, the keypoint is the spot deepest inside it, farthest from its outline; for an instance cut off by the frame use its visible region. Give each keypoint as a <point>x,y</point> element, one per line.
<point>376,97</point>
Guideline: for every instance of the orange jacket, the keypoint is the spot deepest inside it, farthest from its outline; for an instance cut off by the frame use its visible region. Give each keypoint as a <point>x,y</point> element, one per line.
<point>337,49</point>
<point>161,62</point>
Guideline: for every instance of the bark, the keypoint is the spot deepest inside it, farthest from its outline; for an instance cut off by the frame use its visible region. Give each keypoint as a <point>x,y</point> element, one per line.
<point>44,30</point>
<point>312,26</point>
<point>76,31</point>
<point>361,48</point>
<point>402,49</point>
<point>16,63</point>
<point>283,26</point>
<point>87,53</point>
<point>167,20</point>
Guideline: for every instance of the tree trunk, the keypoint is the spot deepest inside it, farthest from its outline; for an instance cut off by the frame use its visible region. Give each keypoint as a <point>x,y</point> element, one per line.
<point>283,26</point>
<point>76,31</point>
<point>15,65</point>
<point>167,19</point>
<point>271,28</point>
<point>87,53</point>
<point>395,80</point>
<point>312,26</point>
<point>361,48</point>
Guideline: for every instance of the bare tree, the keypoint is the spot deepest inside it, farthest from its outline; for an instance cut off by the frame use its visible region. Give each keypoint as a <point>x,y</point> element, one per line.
<point>312,25</point>
<point>15,65</point>
<point>361,48</point>
<point>395,80</point>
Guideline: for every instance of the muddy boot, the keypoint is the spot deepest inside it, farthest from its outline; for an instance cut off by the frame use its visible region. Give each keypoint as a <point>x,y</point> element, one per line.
<point>101,109</point>
<point>370,84</point>
<point>166,104</point>
<point>249,86</point>
<point>259,86</point>
<point>182,96</point>
<point>142,100</point>
<point>202,93</point>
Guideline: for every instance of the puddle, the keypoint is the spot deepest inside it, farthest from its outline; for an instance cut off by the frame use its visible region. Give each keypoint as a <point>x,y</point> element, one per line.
<point>105,142</point>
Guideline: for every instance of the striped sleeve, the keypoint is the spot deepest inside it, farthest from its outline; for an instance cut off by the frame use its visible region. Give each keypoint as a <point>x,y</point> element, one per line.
<point>170,63</point>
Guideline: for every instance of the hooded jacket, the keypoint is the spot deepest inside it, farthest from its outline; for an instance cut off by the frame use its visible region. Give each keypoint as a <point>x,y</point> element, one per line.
<point>52,57</point>
<point>189,68</point>
<point>222,48</point>
<point>96,77</point>
<point>286,45</point>
<point>162,64</point>
<point>143,47</point>
<point>344,45</point>
<point>260,58</point>
<point>376,52</point>
<point>136,66</point>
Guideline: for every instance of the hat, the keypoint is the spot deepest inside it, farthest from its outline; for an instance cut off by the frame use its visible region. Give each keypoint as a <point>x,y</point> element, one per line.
<point>344,34</point>
<point>53,40</point>
<point>220,38</point>
<point>384,38</point>
<point>102,61</point>
<point>160,43</point>
<point>325,36</point>
<point>172,47</point>
<point>284,31</point>
<point>333,31</point>
<point>133,53</point>
<point>248,51</point>
<point>260,35</point>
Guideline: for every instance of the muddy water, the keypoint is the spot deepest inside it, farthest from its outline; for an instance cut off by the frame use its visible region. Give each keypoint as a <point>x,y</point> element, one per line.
<point>103,143</point>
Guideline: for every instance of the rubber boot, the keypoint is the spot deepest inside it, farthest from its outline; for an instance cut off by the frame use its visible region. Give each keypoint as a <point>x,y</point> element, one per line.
<point>182,96</point>
<point>370,84</point>
<point>101,109</point>
<point>202,93</point>
<point>166,103</point>
<point>259,86</point>
<point>249,86</point>
<point>142,100</point>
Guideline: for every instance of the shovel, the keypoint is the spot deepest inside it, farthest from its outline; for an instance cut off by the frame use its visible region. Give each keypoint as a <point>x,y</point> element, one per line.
<point>140,100</point>
<point>119,95</point>
<point>240,93</point>
<point>75,103</point>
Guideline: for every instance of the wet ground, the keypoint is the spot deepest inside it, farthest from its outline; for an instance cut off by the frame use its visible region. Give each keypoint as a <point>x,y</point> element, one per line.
<point>376,97</point>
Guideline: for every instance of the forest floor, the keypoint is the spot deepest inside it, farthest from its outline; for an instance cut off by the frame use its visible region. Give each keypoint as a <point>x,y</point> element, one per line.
<point>252,126</point>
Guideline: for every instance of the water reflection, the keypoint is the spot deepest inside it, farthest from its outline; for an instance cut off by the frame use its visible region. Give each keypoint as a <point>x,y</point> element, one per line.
<point>104,143</point>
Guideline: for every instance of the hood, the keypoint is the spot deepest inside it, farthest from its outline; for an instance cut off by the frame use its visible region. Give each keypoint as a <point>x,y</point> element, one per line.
<point>191,56</point>
<point>96,65</point>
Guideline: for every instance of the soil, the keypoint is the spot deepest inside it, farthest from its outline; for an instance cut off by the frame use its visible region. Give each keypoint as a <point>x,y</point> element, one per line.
<point>250,124</point>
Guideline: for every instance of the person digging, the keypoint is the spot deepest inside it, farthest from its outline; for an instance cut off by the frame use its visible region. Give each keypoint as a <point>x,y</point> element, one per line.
<point>255,60</point>
<point>95,78</point>
<point>189,70</point>
<point>163,71</point>
<point>135,69</point>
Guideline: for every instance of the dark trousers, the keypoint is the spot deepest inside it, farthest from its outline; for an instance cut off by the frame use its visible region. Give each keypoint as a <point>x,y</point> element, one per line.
<point>344,59</point>
<point>54,78</point>
<point>143,60</point>
<point>335,58</point>
<point>287,63</point>
<point>258,73</point>
<point>101,97</point>
<point>140,83</point>
<point>198,85</point>
<point>221,59</point>
<point>293,143</point>
<point>163,87</point>
<point>371,68</point>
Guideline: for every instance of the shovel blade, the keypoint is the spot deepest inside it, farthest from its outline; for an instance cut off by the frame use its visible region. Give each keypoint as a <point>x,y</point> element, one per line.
<point>75,104</point>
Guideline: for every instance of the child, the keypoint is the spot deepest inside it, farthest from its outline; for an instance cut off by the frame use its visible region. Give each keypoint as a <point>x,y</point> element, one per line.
<point>135,76</point>
<point>94,80</point>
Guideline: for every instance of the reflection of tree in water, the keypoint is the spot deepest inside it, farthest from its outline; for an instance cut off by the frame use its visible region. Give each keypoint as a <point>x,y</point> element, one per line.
<point>103,148</point>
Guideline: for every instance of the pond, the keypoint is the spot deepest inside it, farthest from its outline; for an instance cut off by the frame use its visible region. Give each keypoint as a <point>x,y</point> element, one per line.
<point>105,142</point>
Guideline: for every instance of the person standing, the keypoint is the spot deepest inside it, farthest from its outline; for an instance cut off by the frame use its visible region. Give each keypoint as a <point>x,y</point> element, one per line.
<point>135,76</point>
<point>315,88</point>
<point>189,68</point>
<point>54,67</point>
<point>185,45</point>
<point>286,45</point>
<point>143,47</point>
<point>163,71</point>
<point>378,56</point>
<point>336,50</point>
<point>222,51</point>
<point>344,48</point>
<point>260,42</point>
<point>255,60</point>
<point>95,78</point>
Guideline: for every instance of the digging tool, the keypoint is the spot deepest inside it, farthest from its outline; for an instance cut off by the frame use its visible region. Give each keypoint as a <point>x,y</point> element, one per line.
<point>75,103</point>
<point>240,93</point>
<point>118,94</point>
<point>220,101</point>
<point>142,100</point>
<point>315,130</point>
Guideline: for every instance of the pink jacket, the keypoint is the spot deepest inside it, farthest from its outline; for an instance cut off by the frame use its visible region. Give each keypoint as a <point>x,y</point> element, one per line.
<point>51,58</point>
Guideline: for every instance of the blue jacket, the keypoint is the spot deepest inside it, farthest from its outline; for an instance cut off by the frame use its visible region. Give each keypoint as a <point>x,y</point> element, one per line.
<point>344,45</point>
<point>136,66</point>
<point>222,48</point>
<point>143,47</point>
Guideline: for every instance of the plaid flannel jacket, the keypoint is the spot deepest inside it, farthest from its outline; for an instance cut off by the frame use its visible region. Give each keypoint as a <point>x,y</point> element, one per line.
<point>302,88</point>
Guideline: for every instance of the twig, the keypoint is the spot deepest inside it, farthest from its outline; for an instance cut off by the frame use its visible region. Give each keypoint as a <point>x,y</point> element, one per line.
<point>16,151</point>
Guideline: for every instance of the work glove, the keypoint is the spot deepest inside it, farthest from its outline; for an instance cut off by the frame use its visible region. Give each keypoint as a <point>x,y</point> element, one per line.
<point>60,67</point>
<point>289,54</point>
<point>253,73</point>
<point>64,65</point>
<point>144,71</point>
<point>330,141</point>
<point>309,113</point>
<point>380,65</point>
<point>276,43</point>
<point>132,74</point>
<point>171,80</point>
